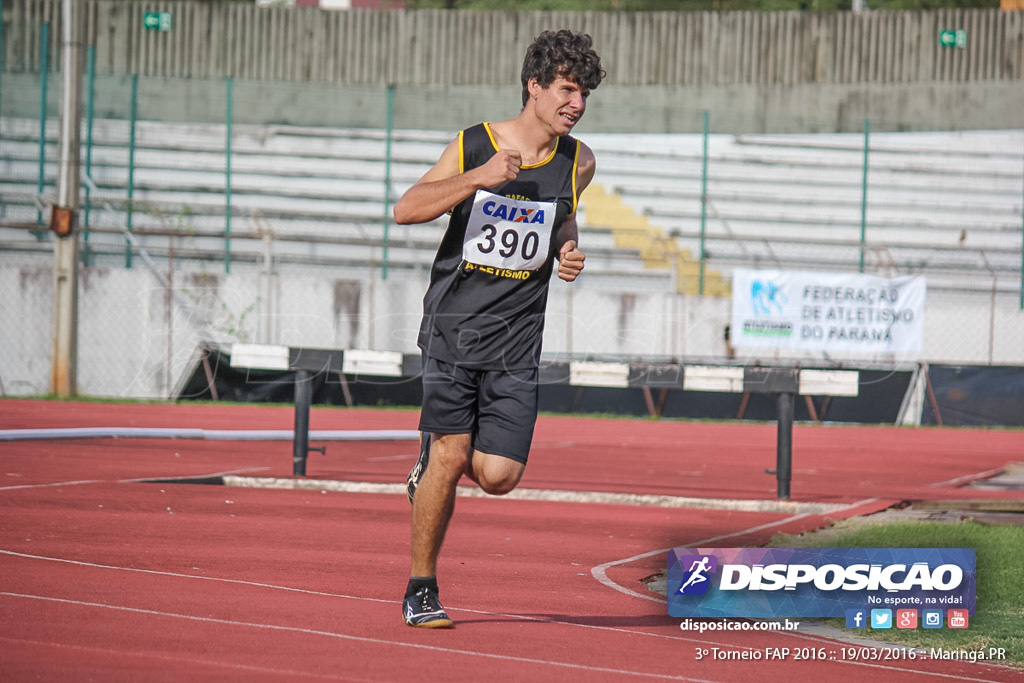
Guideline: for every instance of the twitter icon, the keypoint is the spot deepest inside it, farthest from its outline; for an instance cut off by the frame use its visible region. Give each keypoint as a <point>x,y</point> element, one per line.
<point>881,618</point>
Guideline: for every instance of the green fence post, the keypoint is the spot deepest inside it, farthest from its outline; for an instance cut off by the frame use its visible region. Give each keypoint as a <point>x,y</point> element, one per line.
<point>227,177</point>
<point>703,203</point>
<point>90,68</point>
<point>1,61</point>
<point>133,116</point>
<point>864,195</point>
<point>44,69</point>
<point>387,174</point>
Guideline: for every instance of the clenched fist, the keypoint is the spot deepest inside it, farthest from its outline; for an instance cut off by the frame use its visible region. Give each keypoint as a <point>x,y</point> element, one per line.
<point>501,167</point>
<point>570,261</point>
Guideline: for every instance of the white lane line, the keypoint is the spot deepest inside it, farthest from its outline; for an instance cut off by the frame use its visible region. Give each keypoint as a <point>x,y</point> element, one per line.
<point>184,479</point>
<point>550,495</point>
<point>141,480</point>
<point>183,660</point>
<point>54,484</point>
<point>306,591</point>
<point>470,653</point>
<point>967,478</point>
<point>205,434</point>
<point>687,639</point>
<point>600,572</point>
<point>360,639</point>
<point>232,479</point>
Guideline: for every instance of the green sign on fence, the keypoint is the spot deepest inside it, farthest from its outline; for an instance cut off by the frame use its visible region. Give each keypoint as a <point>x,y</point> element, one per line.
<point>157,21</point>
<point>957,38</point>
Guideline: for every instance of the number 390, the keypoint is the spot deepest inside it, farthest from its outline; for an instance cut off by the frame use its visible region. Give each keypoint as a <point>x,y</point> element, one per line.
<point>510,243</point>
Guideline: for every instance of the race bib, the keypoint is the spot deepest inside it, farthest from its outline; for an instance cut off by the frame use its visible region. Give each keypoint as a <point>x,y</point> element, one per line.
<point>508,233</point>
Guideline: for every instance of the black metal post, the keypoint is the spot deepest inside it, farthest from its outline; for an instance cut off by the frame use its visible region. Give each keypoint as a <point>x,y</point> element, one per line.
<point>784,451</point>
<point>300,442</point>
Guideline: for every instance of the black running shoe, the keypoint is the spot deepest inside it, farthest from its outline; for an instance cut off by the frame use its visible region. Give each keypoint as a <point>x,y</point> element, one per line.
<point>423,609</point>
<point>416,473</point>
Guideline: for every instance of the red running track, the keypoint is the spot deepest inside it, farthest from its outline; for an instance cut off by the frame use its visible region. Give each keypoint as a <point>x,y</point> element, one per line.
<point>107,577</point>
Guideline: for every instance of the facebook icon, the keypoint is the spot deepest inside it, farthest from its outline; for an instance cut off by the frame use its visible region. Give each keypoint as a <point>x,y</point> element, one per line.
<point>856,618</point>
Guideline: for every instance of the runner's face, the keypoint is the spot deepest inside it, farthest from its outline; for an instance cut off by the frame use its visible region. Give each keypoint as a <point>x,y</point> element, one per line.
<point>561,104</point>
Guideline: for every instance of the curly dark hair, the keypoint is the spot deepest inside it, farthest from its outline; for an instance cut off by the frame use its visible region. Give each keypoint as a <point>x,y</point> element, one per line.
<point>562,53</point>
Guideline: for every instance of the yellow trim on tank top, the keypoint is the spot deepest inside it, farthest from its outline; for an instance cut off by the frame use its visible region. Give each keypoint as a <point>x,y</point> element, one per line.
<point>487,127</point>
<point>462,154</point>
<point>575,164</point>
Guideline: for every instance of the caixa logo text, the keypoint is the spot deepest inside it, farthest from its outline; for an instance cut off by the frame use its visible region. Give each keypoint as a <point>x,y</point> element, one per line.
<point>516,214</point>
<point>831,577</point>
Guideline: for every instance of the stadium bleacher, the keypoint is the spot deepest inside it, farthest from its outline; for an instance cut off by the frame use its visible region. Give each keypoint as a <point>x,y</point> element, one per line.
<point>944,204</point>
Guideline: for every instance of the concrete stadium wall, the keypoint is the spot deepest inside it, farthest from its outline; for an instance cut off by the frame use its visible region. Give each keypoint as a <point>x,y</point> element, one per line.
<point>985,105</point>
<point>135,340</point>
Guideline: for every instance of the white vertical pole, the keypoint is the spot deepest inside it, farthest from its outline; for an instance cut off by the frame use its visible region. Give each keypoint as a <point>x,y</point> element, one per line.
<point>63,364</point>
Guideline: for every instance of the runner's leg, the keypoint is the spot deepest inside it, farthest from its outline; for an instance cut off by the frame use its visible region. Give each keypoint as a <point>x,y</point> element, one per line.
<point>434,502</point>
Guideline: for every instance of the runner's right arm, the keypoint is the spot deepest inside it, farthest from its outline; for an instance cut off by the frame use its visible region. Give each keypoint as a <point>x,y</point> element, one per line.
<point>442,187</point>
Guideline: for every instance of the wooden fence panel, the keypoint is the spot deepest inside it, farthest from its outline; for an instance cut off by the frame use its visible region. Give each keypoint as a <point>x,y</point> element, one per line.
<point>438,47</point>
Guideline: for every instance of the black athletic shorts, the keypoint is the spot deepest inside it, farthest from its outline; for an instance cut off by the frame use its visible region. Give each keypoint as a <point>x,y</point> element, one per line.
<point>498,407</point>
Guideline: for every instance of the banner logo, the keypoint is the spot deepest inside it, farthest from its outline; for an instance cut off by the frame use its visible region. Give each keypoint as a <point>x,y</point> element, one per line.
<point>931,618</point>
<point>696,580</point>
<point>834,312</point>
<point>856,618</point>
<point>958,618</point>
<point>868,586</point>
<point>906,618</point>
<point>766,298</point>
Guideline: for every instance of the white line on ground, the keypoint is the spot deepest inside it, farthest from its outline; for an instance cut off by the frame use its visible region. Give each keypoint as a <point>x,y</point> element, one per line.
<point>81,482</point>
<point>52,484</point>
<point>206,434</point>
<point>361,639</point>
<point>553,495</point>
<point>306,591</point>
<point>958,481</point>
<point>450,609</point>
<point>600,572</point>
<point>213,663</point>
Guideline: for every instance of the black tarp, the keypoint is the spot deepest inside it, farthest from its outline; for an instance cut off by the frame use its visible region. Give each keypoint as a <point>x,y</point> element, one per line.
<point>971,395</point>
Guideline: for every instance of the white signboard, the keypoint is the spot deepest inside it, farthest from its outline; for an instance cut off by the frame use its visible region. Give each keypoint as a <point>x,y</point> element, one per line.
<point>808,311</point>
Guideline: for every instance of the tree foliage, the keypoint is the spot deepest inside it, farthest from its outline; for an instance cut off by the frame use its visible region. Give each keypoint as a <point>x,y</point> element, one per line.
<point>693,5</point>
<point>676,5</point>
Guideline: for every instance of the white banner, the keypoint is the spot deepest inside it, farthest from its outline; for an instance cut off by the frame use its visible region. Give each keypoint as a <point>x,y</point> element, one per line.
<point>807,311</point>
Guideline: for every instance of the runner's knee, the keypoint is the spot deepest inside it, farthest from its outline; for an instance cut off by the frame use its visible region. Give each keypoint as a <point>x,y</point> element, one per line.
<point>498,487</point>
<point>496,475</point>
<point>450,454</point>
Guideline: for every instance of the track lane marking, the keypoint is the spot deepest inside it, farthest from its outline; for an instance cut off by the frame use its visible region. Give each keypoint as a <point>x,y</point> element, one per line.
<point>139,480</point>
<point>183,660</point>
<point>306,591</point>
<point>360,639</point>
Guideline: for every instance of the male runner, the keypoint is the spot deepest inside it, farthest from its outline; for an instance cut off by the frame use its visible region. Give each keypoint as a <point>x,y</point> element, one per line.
<point>512,188</point>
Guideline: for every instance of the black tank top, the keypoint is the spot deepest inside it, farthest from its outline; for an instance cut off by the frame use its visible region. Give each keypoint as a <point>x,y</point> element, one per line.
<point>484,308</point>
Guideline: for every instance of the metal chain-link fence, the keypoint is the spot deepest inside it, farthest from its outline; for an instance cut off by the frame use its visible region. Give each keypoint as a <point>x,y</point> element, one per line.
<point>216,231</point>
